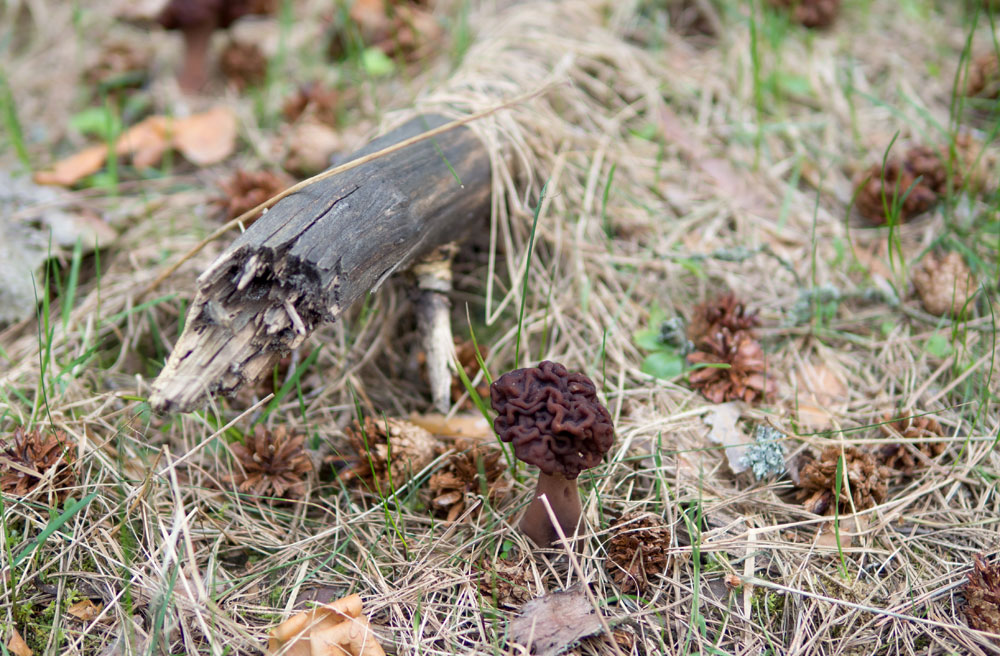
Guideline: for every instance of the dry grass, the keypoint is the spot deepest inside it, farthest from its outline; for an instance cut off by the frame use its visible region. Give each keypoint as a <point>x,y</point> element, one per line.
<point>714,152</point>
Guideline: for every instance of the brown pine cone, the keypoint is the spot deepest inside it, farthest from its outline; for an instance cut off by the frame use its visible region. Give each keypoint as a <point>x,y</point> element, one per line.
<point>394,28</point>
<point>313,100</point>
<point>867,479</point>
<point>726,311</point>
<point>638,550</point>
<point>245,190</point>
<point>505,582</point>
<point>899,456</point>
<point>811,13</point>
<point>243,64</point>
<point>944,283</point>
<point>459,478</point>
<point>982,596</point>
<point>389,452</point>
<point>120,64</point>
<point>271,463</point>
<point>897,182</point>
<point>746,377</point>
<point>984,76</point>
<point>40,453</point>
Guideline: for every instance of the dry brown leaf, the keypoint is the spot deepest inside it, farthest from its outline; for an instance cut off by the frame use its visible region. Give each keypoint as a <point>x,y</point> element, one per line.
<point>16,645</point>
<point>819,395</point>
<point>850,527</point>
<point>203,139</point>
<point>722,418</point>
<point>334,629</point>
<point>74,168</point>
<point>145,142</point>
<point>549,624</point>
<point>206,138</point>
<point>467,426</point>
<point>85,610</point>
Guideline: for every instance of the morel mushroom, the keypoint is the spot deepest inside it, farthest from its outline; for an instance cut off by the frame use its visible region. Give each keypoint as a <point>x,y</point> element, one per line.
<point>555,422</point>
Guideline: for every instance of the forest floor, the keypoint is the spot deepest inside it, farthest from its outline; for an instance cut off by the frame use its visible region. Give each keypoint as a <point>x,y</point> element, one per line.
<point>678,151</point>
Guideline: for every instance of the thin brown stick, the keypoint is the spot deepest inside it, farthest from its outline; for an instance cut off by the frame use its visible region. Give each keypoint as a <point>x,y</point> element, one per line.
<point>335,171</point>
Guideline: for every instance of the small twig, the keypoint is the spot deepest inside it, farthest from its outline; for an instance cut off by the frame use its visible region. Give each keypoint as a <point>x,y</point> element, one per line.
<point>336,171</point>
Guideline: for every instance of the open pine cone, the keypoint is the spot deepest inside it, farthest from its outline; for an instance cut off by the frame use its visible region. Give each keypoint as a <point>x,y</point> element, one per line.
<point>389,452</point>
<point>867,479</point>
<point>273,463</point>
<point>982,596</point>
<point>810,13</point>
<point>746,377</point>
<point>315,101</point>
<point>944,283</point>
<point>726,311</point>
<point>245,190</point>
<point>243,64</point>
<point>984,76</point>
<point>900,455</point>
<point>460,478</point>
<point>40,453</point>
<point>638,550</point>
<point>506,582</point>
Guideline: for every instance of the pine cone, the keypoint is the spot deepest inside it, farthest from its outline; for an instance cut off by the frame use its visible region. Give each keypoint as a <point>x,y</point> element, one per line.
<point>899,456</point>
<point>405,29</point>
<point>506,582</point>
<point>243,64</point>
<point>245,190</point>
<point>899,180</point>
<point>745,379</point>
<point>273,464</point>
<point>982,596</point>
<point>726,311</point>
<point>388,449</point>
<point>945,284</point>
<point>39,452</point>
<point>313,100</point>
<point>984,76</point>
<point>459,478</point>
<point>867,479</point>
<point>638,550</point>
<point>811,13</point>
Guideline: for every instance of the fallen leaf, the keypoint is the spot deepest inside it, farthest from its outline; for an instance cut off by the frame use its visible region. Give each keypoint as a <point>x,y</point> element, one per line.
<point>722,418</point>
<point>16,645</point>
<point>334,629</point>
<point>551,623</point>
<point>85,610</point>
<point>74,168</point>
<point>145,142</point>
<point>203,139</point>
<point>472,426</point>
<point>819,395</point>
<point>850,527</point>
<point>206,138</point>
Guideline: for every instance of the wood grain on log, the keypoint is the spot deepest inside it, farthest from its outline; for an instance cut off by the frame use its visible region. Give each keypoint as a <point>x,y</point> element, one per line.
<point>317,251</point>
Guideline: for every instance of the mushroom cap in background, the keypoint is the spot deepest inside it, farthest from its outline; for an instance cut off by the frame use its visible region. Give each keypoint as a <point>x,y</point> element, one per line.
<point>553,418</point>
<point>178,14</point>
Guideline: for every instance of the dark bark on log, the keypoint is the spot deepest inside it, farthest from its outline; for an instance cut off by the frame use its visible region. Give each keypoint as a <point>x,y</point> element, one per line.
<point>315,252</point>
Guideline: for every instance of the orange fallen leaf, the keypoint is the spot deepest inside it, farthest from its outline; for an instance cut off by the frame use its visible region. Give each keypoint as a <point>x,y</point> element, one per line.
<point>74,168</point>
<point>467,426</point>
<point>334,629</point>
<point>16,645</point>
<point>203,139</point>
<point>85,610</point>
<point>206,138</point>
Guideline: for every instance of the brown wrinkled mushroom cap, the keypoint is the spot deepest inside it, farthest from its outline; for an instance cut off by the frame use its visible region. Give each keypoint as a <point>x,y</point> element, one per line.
<point>552,418</point>
<point>180,14</point>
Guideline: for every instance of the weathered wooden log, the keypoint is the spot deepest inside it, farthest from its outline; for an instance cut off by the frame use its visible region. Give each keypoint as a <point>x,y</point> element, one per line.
<point>314,253</point>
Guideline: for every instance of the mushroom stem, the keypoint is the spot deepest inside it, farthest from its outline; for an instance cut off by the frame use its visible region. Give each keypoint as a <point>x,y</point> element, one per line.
<point>564,498</point>
<point>194,72</point>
